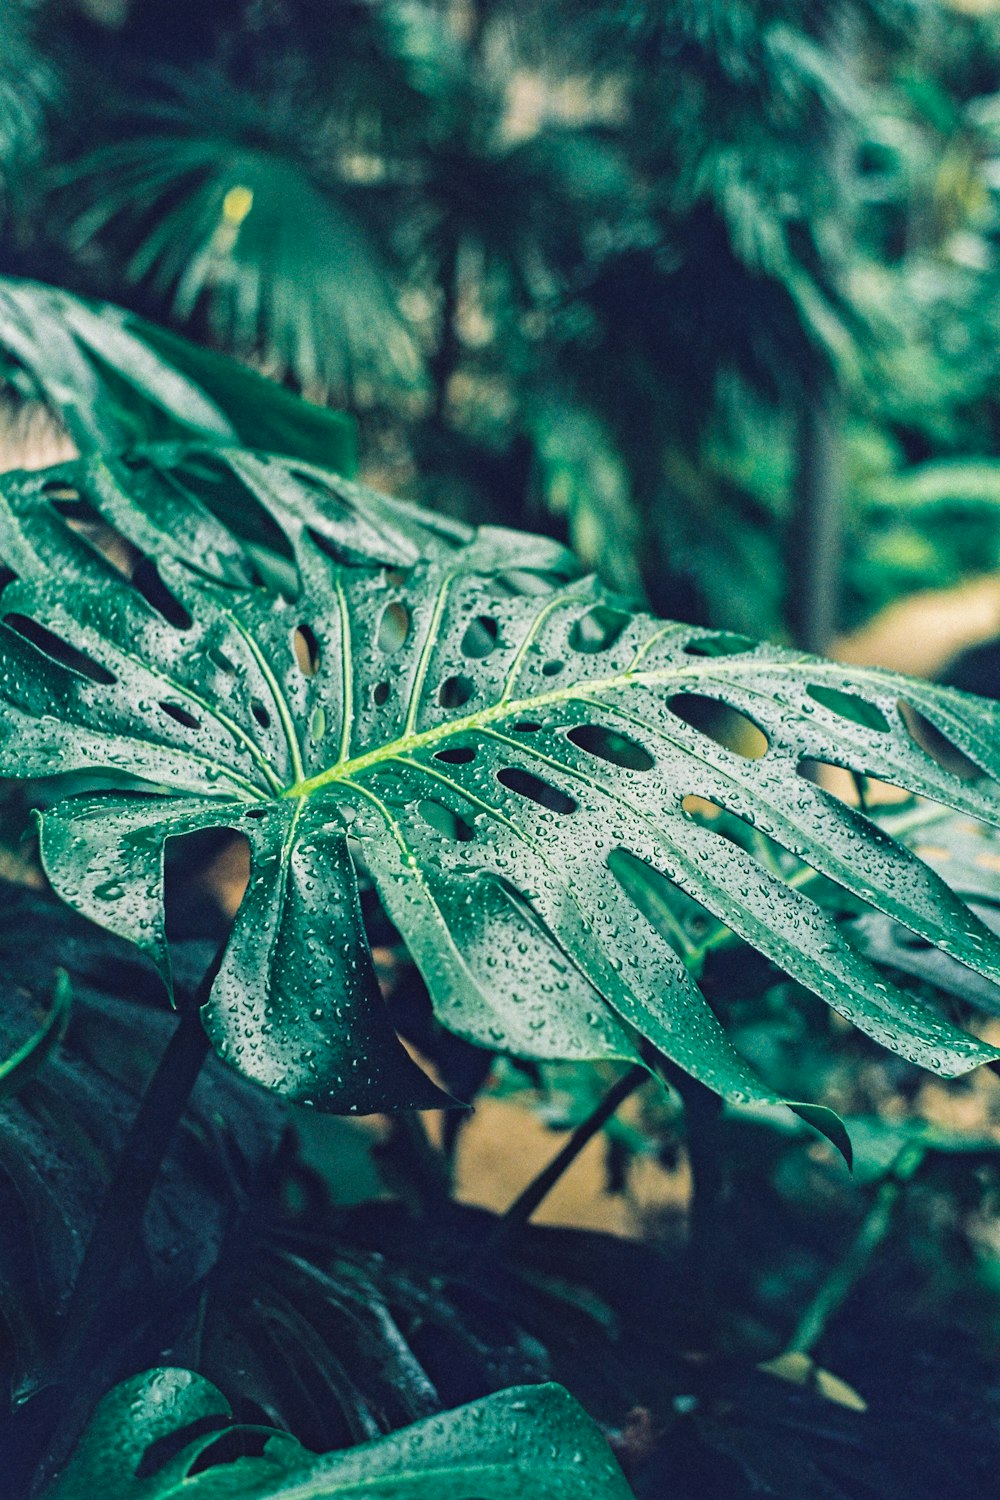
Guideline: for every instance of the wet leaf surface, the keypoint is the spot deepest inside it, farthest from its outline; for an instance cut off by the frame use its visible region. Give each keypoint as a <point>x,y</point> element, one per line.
<point>509,753</point>
<point>514,1445</point>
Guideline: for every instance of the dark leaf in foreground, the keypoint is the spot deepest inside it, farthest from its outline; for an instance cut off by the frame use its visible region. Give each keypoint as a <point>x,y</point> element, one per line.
<point>516,1445</point>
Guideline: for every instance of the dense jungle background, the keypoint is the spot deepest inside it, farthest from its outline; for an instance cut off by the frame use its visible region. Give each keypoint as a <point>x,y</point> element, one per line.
<point>710,291</point>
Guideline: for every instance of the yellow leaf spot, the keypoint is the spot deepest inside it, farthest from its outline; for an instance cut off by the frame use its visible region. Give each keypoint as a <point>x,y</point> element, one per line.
<point>237,204</point>
<point>799,1369</point>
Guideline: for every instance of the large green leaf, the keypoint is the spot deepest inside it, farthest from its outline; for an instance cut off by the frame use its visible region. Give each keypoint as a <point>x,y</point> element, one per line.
<point>115,380</point>
<point>509,755</point>
<point>526,1442</point>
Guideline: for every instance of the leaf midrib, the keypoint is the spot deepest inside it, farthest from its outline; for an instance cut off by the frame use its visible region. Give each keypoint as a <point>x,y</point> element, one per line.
<point>505,708</point>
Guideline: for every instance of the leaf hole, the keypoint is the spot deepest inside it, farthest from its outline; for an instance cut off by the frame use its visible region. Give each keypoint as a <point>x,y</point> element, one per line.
<point>455,692</point>
<point>598,629</point>
<point>700,807</point>
<point>445,821</point>
<point>525,784</point>
<point>79,517</point>
<point>61,493</point>
<point>147,581</point>
<point>480,637</point>
<point>937,745</point>
<point>306,648</point>
<point>552,668</point>
<point>58,650</point>
<point>739,831</point>
<point>232,1444</point>
<point>674,914</point>
<point>260,713</point>
<point>180,715</point>
<point>165,1449</point>
<point>380,693</point>
<point>850,786</point>
<point>256,813</point>
<point>719,643</point>
<point>726,726</point>
<point>206,873</point>
<point>219,659</point>
<point>526,726</point>
<point>393,627</point>
<point>461,755</point>
<point>850,706</point>
<point>609,745</point>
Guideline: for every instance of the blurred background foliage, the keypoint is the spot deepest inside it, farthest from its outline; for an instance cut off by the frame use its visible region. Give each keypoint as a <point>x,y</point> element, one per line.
<point>707,287</point>
<point>711,290</point>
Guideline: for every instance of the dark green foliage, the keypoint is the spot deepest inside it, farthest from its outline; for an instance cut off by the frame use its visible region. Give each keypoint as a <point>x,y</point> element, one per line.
<point>598,273</point>
<point>573,250</point>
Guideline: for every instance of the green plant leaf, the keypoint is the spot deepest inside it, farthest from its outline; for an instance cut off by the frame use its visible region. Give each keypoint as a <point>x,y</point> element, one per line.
<point>966,855</point>
<point>525,1442</point>
<point>115,380</point>
<point>509,755</point>
<point>25,1060</point>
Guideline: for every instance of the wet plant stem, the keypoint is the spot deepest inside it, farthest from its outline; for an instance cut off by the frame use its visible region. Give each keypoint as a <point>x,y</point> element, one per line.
<point>49,1417</point>
<point>525,1204</point>
<point>119,1220</point>
<point>844,1276</point>
<point>702,1112</point>
<point>417,1169</point>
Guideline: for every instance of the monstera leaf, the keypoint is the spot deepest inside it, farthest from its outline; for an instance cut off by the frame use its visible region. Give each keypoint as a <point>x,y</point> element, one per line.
<point>521,1443</point>
<point>115,379</point>
<point>966,855</point>
<point>510,755</point>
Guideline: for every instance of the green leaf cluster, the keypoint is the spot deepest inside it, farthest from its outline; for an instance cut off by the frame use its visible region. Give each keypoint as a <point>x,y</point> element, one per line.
<point>519,1443</point>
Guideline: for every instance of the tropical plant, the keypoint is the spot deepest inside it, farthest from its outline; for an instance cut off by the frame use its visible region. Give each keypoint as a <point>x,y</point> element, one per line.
<point>392,809</point>
<point>511,755</point>
<point>503,1448</point>
<point>565,812</point>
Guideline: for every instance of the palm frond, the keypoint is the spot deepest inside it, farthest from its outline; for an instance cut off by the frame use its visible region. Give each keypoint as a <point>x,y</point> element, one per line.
<point>26,83</point>
<point>222,222</point>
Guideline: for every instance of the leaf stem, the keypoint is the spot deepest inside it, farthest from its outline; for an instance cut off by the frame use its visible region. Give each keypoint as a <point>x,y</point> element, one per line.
<point>702,1113</point>
<point>525,1204</point>
<point>51,1412</point>
<point>119,1219</point>
<point>845,1274</point>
